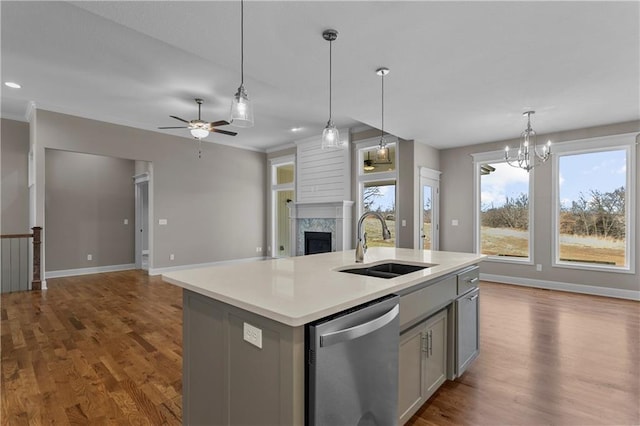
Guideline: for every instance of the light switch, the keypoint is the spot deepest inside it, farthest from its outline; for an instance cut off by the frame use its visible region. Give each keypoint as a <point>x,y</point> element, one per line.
<point>454,222</point>
<point>404,222</point>
<point>162,221</point>
<point>126,221</point>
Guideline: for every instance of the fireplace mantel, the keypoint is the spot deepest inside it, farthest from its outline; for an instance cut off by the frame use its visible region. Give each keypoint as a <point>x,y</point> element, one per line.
<point>335,217</point>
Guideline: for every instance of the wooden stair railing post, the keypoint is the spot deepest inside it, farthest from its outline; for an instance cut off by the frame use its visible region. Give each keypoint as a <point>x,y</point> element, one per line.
<point>36,284</point>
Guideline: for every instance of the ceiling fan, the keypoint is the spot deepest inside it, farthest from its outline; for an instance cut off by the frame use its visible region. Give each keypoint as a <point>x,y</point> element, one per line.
<point>200,129</point>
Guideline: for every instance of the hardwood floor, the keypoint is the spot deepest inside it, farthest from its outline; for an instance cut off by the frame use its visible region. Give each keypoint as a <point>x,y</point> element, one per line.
<point>546,358</point>
<point>107,349</point>
<point>94,349</point>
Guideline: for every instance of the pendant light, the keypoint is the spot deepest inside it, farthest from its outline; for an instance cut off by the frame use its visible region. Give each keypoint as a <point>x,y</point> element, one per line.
<point>528,155</point>
<point>241,108</point>
<point>330,135</point>
<point>382,154</point>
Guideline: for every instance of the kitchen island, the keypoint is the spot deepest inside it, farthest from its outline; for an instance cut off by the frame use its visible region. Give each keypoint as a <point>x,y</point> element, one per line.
<point>244,360</point>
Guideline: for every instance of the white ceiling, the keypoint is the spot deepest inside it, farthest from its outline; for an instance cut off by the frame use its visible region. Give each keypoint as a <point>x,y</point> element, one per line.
<point>461,72</point>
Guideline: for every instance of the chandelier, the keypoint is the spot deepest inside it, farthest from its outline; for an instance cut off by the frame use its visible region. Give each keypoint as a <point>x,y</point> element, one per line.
<point>528,155</point>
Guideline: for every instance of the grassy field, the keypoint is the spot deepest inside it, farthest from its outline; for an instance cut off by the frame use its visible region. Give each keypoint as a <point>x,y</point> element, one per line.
<point>510,242</point>
<point>374,233</point>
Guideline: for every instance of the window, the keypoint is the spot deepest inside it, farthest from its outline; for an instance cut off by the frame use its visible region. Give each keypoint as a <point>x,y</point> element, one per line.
<point>377,189</point>
<point>282,193</point>
<point>380,197</point>
<point>593,204</point>
<point>504,210</point>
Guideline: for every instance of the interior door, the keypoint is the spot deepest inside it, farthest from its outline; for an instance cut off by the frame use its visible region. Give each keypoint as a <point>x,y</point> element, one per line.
<point>429,226</point>
<point>142,221</point>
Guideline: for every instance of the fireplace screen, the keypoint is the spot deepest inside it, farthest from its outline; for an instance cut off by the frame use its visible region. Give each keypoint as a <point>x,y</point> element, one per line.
<point>317,242</point>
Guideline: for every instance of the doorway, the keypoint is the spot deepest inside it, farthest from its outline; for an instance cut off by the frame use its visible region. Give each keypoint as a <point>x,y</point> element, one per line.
<point>141,182</point>
<point>428,208</point>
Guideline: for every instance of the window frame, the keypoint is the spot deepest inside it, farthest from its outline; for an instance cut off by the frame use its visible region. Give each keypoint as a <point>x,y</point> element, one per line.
<point>376,177</point>
<point>621,142</point>
<point>498,157</point>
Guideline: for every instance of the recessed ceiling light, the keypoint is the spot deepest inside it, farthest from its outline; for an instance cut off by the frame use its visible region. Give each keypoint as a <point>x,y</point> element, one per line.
<point>12,85</point>
<point>296,129</point>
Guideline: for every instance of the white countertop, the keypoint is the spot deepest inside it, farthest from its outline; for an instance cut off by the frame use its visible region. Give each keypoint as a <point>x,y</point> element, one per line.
<point>298,290</point>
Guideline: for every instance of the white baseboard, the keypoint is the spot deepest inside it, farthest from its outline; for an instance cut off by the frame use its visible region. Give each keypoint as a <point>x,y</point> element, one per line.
<point>556,285</point>
<point>160,271</point>
<point>87,271</point>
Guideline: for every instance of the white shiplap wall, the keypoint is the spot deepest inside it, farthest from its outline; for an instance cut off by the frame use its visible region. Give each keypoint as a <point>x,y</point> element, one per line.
<point>322,176</point>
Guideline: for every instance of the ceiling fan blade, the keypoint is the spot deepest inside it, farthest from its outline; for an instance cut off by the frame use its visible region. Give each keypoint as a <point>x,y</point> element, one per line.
<point>181,127</point>
<point>219,123</point>
<point>224,132</point>
<point>178,118</point>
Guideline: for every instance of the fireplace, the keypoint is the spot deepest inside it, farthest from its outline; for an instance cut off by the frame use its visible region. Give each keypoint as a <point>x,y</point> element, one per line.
<point>328,217</point>
<point>317,242</point>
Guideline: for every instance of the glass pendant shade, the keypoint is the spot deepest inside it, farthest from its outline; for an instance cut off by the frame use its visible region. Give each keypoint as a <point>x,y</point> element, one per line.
<point>241,109</point>
<point>199,133</point>
<point>382,154</point>
<point>331,137</point>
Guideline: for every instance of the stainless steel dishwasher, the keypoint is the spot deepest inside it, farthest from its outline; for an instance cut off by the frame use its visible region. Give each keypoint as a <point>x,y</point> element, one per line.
<point>352,366</point>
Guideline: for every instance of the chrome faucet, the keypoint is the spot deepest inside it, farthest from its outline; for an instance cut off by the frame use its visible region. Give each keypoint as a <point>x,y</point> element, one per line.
<point>361,248</point>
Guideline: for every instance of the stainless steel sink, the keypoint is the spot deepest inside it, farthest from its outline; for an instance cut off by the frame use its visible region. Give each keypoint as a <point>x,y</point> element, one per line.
<point>386,270</point>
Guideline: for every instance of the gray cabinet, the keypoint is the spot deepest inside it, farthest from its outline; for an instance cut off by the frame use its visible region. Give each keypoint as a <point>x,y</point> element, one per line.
<point>422,364</point>
<point>467,335</point>
<point>227,379</point>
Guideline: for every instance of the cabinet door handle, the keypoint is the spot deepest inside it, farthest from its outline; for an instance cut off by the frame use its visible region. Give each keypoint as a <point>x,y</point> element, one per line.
<point>473,280</point>
<point>474,297</point>
<point>430,342</point>
<point>424,343</point>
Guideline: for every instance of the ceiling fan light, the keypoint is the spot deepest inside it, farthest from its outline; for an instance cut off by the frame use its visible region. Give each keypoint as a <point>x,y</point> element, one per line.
<point>241,109</point>
<point>368,165</point>
<point>199,132</point>
<point>331,137</point>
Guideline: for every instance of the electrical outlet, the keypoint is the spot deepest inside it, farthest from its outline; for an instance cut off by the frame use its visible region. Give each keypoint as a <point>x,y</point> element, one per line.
<point>126,221</point>
<point>538,267</point>
<point>252,335</point>
<point>89,257</point>
<point>172,257</point>
<point>258,249</point>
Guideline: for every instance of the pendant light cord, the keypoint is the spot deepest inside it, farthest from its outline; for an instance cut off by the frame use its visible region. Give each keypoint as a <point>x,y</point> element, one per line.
<point>330,67</point>
<point>241,42</point>
<point>382,130</point>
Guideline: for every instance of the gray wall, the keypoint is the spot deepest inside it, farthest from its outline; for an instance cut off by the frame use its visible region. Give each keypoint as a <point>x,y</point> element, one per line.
<point>14,151</point>
<point>404,196</point>
<point>456,196</point>
<point>87,199</point>
<point>214,205</point>
<point>413,155</point>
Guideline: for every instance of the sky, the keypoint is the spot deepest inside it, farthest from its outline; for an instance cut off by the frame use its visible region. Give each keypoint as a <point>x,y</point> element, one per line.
<point>386,199</point>
<point>602,171</point>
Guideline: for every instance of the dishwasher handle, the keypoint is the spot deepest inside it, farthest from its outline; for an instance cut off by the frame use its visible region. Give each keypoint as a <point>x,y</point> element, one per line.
<point>351,333</point>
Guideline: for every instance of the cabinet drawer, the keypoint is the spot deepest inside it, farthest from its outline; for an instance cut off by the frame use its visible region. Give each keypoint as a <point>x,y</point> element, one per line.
<point>468,280</point>
<point>421,303</point>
